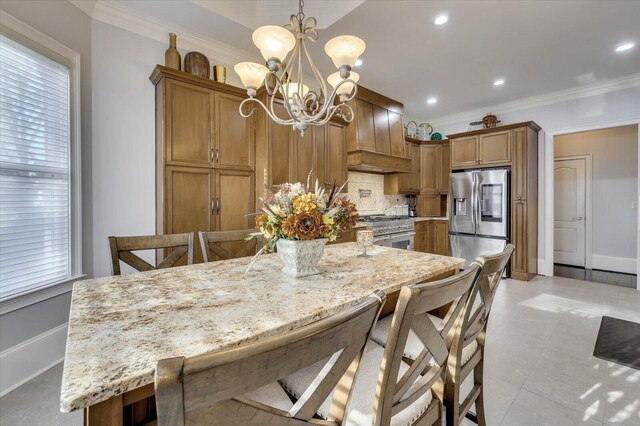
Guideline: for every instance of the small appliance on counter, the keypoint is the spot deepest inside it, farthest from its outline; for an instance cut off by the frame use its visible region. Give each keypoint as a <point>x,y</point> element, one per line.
<point>412,202</point>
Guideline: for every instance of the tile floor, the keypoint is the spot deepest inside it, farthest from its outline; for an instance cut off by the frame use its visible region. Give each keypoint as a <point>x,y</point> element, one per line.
<point>539,367</point>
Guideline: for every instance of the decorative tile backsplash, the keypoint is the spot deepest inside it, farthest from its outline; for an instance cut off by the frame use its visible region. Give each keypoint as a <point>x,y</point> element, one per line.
<point>366,190</point>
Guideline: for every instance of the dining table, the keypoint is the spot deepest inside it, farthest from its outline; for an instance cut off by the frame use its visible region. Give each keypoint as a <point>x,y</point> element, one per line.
<point>121,326</point>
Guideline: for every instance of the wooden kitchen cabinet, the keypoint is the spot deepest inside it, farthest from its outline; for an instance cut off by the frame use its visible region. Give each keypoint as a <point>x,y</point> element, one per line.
<point>514,146</point>
<point>464,152</point>
<point>205,156</point>
<point>445,168</point>
<point>430,166</point>
<point>335,154</point>
<point>234,142</point>
<point>188,124</point>
<point>189,202</point>
<point>429,205</point>
<point>432,236</point>
<point>488,150</point>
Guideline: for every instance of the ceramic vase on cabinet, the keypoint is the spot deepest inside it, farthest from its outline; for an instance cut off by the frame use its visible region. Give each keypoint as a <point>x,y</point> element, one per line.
<point>300,257</point>
<point>171,55</point>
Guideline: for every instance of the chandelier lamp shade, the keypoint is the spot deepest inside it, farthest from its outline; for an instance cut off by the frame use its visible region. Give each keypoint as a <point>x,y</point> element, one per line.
<point>285,52</point>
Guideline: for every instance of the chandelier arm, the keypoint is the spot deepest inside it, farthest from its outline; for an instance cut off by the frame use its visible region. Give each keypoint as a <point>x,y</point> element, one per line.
<point>319,78</point>
<point>264,107</point>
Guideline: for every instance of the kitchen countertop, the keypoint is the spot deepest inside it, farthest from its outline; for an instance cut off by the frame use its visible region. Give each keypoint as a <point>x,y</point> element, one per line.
<point>120,327</point>
<point>422,219</point>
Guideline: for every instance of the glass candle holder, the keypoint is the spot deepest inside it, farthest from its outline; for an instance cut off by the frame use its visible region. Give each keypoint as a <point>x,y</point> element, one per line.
<point>364,239</point>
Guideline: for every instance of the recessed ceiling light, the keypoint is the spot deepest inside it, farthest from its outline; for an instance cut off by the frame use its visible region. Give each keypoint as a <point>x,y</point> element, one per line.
<point>624,47</point>
<point>498,82</point>
<point>441,20</point>
<point>358,62</point>
<point>432,101</point>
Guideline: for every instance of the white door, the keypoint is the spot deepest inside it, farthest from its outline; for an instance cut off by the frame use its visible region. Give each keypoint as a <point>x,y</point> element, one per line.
<point>569,212</point>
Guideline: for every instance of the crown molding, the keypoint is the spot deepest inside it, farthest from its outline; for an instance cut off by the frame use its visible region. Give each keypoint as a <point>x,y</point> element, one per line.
<point>542,100</point>
<point>130,19</point>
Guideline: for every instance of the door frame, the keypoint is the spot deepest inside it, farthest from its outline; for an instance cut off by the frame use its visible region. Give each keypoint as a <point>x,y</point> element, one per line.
<point>546,187</point>
<point>588,206</point>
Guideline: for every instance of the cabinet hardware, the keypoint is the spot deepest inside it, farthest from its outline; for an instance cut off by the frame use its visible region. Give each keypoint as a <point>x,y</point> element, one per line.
<point>217,155</point>
<point>217,205</point>
<point>213,155</point>
<point>213,203</point>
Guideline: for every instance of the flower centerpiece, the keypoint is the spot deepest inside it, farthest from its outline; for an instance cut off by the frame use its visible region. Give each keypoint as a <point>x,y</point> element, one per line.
<point>299,221</point>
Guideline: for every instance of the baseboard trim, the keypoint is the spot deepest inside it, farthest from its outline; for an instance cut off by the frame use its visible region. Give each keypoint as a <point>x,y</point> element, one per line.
<point>627,265</point>
<point>28,359</point>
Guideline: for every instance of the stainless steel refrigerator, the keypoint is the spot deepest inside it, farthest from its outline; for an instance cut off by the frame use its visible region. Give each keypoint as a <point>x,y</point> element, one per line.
<point>479,213</point>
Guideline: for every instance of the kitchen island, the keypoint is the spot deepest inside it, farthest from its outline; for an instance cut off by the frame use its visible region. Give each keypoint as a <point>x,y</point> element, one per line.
<point>119,327</point>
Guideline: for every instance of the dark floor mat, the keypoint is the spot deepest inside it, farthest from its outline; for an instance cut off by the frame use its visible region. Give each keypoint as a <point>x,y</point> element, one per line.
<point>619,341</point>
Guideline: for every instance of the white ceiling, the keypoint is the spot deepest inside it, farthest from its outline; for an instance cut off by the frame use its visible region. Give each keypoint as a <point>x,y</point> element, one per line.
<point>536,46</point>
<point>255,13</point>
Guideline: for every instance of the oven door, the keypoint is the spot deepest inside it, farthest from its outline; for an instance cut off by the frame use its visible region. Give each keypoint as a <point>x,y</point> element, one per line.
<point>402,241</point>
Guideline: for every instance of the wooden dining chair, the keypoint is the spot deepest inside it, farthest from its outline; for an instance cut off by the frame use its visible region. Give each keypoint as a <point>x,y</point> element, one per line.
<point>212,244</point>
<point>472,334</point>
<point>238,386</point>
<point>389,391</point>
<point>122,248</point>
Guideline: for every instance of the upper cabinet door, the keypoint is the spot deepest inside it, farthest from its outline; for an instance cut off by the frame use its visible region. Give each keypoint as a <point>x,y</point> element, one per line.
<point>381,125</point>
<point>429,164</point>
<point>396,134</point>
<point>234,142</point>
<point>189,124</point>
<point>336,155</point>
<point>464,152</point>
<point>365,128</point>
<point>520,170</point>
<point>495,148</point>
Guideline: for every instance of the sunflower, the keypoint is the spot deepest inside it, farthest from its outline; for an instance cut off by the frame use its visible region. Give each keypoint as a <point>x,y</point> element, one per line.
<point>303,226</point>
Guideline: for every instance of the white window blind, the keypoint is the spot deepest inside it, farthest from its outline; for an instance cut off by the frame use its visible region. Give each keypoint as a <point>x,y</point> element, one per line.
<point>35,243</point>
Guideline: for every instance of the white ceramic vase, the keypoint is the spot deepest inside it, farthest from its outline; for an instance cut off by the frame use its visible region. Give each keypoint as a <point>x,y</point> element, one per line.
<point>300,257</point>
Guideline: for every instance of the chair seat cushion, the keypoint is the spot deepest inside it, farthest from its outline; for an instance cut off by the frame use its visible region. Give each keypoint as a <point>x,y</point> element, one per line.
<point>272,395</point>
<point>363,392</point>
<point>414,346</point>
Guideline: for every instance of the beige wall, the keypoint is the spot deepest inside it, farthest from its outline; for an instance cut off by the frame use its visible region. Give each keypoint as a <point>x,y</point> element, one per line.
<point>615,187</point>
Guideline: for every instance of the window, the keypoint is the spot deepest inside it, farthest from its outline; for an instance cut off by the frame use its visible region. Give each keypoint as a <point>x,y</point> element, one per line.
<point>37,241</point>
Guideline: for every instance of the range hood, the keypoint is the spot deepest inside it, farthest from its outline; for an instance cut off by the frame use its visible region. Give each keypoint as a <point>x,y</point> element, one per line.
<point>375,137</point>
<point>375,162</point>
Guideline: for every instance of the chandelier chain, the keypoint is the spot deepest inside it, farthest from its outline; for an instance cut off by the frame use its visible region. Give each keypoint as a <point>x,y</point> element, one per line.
<point>301,12</point>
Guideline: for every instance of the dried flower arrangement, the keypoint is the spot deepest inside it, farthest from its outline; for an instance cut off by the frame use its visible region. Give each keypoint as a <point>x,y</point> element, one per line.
<point>296,212</point>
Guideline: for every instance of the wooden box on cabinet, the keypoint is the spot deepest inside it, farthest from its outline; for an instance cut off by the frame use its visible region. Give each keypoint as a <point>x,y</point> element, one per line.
<point>205,155</point>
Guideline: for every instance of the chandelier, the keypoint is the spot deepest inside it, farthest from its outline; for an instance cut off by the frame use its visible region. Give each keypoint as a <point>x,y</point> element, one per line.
<point>285,52</point>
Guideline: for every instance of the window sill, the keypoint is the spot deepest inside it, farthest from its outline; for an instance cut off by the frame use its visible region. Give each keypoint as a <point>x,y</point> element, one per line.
<point>23,300</point>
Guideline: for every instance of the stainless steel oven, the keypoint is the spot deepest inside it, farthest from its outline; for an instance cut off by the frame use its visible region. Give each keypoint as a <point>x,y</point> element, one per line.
<point>402,241</point>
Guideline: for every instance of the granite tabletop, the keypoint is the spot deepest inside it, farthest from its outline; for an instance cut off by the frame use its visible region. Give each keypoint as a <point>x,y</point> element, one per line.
<point>119,327</point>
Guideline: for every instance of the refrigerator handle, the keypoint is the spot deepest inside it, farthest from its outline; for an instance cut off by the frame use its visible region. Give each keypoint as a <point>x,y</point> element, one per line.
<point>476,202</point>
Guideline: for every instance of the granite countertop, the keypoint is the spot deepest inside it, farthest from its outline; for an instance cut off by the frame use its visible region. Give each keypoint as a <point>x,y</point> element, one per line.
<point>119,327</point>
<point>421,219</point>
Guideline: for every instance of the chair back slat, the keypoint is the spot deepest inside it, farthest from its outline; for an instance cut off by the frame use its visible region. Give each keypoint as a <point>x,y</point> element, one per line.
<point>212,386</point>
<point>122,248</point>
<point>414,302</point>
<point>228,244</point>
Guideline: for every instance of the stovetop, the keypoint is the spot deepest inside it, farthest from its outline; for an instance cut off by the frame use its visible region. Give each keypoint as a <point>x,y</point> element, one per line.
<point>380,218</point>
<point>387,225</point>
